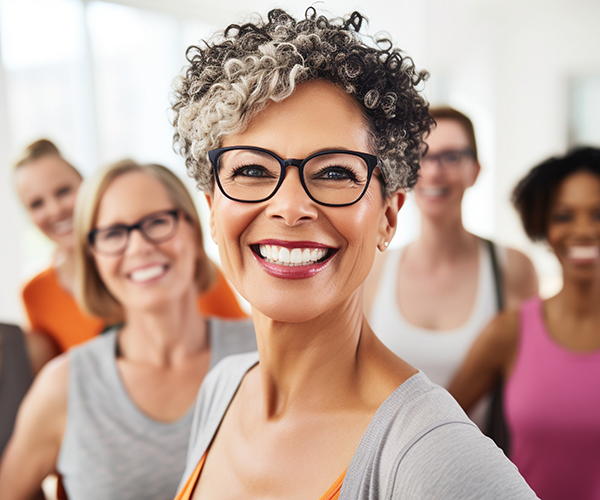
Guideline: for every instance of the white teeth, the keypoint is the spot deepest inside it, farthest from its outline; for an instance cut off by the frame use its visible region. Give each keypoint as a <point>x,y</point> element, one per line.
<point>64,226</point>
<point>584,252</point>
<point>293,257</point>
<point>147,273</point>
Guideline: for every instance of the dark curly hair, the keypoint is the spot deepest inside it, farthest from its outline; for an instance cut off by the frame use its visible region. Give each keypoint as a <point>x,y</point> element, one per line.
<point>534,194</point>
<point>238,72</point>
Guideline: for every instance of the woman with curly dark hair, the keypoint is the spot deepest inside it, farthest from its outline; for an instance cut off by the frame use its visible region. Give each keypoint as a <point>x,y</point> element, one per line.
<point>549,351</point>
<point>303,135</point>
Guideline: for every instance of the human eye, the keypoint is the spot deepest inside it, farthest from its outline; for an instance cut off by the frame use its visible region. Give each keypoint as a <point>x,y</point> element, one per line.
<point>335,173</point>
<point>158,221</point>
<point>111,233</point>
<point>562,216</point>
<point>450,158</point>
<point>255,171</point>
<point>336,168</point>
<point>36,204</point>
<point>63,191</point>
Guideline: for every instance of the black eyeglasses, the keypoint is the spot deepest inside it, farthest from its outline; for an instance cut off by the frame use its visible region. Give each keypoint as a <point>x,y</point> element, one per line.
<point>155,228</point>
<point>448,159</point>
<point>334,178</point>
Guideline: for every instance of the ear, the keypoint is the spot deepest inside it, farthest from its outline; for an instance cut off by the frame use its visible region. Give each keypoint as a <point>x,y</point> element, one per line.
<point>211,223</point>
<point>389,219</point>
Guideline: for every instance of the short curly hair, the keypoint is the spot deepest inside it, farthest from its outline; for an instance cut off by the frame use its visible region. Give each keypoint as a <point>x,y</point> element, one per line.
<point>238,72</point>
<point>534,195</point>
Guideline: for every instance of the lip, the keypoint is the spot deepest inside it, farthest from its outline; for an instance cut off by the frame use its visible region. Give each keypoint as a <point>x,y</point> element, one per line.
<point>294,244</point>
<point>292,272</point>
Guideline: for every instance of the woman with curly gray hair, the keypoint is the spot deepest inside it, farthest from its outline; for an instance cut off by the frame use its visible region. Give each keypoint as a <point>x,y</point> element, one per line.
<point>303,135</point>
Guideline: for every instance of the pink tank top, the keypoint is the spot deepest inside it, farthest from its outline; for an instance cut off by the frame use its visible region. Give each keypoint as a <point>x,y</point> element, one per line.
<point>552,404</point>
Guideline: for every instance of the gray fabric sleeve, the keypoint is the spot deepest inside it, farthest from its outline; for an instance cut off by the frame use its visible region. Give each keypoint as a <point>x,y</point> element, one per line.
<point>455,461</point>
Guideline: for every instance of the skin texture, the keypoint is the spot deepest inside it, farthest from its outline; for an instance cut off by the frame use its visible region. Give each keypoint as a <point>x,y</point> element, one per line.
<point>438,274</point>
<point>572,317</point>
<point>164,349</point>
<point>298,416</point>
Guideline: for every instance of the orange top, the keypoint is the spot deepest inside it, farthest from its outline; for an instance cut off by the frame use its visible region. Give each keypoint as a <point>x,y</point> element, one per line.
<point>54,312</point>
<point>186,492</point>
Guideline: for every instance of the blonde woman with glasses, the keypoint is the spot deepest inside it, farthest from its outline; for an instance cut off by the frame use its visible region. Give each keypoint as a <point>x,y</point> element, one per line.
<point>113,416</point>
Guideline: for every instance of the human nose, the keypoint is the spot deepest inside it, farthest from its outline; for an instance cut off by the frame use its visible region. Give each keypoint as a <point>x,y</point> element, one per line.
<point>291,202</point>
<point>136,243</point>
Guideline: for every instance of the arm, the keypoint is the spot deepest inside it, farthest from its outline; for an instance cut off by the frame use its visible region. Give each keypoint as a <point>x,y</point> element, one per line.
<point>40,349</point>
<point>32,451</point>
<point>520,279</point>
<point>491,356</point>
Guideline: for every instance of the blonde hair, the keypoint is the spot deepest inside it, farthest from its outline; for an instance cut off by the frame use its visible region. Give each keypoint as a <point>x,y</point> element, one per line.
<point>91,292</point>
<point>39,149</point>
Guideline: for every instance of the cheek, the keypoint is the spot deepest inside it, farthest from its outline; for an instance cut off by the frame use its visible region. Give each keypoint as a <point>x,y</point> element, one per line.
<point>107,270</point>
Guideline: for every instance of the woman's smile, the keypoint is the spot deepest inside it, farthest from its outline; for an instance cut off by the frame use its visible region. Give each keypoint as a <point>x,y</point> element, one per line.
<point>292,259</point>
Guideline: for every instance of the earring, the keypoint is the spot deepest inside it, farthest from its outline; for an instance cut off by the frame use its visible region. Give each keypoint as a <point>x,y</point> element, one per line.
<point>385,244</point>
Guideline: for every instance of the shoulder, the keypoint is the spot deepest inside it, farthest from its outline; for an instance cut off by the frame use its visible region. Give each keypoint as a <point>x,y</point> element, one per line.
<point>46,401</point>
<point>430,449</point>
<point>40,282</point>
<point>456,461</point>
<point>520,277</point>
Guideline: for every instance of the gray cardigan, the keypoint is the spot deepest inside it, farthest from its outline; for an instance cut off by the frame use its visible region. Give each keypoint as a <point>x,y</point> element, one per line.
<point>419,445</point>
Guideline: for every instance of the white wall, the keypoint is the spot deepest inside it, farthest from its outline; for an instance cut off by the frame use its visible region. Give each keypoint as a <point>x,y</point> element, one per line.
<point>506,63</point>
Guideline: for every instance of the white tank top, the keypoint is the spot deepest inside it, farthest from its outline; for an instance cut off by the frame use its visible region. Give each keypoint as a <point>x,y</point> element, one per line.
<point>437,353</point>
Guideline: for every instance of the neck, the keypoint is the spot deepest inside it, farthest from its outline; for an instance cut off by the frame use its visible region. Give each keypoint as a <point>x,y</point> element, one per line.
<point>444,238</point>
<point>64,266</point>
<point>314,362</point>
<point>165,334</point>
<point>579,297</point>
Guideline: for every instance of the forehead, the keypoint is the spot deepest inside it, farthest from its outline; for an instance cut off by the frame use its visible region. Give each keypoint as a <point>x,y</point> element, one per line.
<point>130,197</point>
<point>448,134</point>
<point>44,173</point>
<point>318,115</point>
<point>579,188</point>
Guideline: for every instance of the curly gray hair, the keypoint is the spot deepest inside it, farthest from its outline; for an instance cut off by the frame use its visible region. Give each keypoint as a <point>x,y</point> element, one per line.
<point>238,72</point>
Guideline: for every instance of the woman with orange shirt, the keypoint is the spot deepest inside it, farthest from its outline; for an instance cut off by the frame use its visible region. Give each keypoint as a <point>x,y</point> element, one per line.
<point>47,186</point>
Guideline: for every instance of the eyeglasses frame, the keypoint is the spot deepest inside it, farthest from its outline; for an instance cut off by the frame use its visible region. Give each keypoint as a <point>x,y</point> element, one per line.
<point>465,153</point>
<point>372,161</point>
<point>130,228</point>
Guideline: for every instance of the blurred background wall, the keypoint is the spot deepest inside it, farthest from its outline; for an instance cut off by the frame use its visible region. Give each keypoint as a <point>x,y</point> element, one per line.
<point>95,77</point>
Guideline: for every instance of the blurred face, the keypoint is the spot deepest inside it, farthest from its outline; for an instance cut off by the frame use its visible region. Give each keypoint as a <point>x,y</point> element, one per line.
<point>574,225</point>
<point>290,257</point>
<point>447,170</point>
<point>47,187</point>
<point>146,275</point>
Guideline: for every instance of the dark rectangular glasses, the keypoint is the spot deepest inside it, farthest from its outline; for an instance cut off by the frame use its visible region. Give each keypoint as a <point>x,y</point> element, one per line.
<point>335,177</point>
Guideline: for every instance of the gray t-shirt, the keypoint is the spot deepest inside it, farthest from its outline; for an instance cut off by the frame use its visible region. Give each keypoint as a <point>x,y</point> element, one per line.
<point>111,449</point>
<point>420,444</point>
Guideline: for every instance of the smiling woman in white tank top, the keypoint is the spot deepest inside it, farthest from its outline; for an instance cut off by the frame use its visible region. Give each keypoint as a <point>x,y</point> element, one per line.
<point>429,300</point>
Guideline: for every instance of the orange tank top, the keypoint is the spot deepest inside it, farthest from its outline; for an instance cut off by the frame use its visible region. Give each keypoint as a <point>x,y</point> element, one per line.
<point>186,492</point>
<point>54,312</point>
